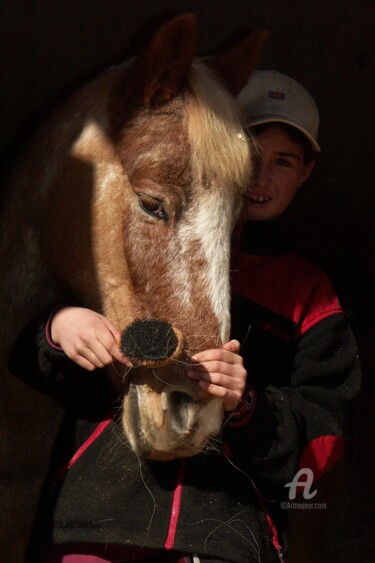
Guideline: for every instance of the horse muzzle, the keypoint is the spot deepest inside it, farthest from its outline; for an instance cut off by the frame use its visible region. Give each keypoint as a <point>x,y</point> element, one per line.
<point>165,414</point>
<point>165,420</point>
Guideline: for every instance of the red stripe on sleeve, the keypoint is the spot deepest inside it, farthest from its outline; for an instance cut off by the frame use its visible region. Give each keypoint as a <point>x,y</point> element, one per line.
<point>321,454</point>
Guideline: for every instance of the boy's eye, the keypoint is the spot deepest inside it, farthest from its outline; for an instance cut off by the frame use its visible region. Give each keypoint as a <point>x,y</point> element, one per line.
<point>283,162</point>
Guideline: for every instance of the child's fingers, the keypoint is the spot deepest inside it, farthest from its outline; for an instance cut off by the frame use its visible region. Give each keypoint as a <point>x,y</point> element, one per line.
<point>215,379</point>
<point>212,389</point>
<point>105,345</point>
<point>217,355</point>
<point>102,355</point>
<point>112,329</point>
<point>116,354</point>
<point>111,342</point>
<point>231,398</point>
<point>210,369</point>
<point>85,356</point>
<point>107,349</point>
<point>232,346</point>
<point>84,363</point>
<point>232,383</point>
<point>221,373</point>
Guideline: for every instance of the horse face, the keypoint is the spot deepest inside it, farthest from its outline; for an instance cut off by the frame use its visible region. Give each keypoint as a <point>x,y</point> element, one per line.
<point>176,238</point>
<point>177,252</point>
<point>167,257</point>
<point>185,164</point>
<point>182,165</point>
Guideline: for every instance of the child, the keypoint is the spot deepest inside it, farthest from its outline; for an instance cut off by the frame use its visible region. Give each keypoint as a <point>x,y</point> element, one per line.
<point>286,389</point>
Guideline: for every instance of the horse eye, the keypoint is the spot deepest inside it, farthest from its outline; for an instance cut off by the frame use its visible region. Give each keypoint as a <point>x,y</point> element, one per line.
<point>152,206</point>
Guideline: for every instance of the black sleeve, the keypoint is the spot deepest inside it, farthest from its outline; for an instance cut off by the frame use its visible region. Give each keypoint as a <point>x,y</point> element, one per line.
<point>304,423</point>
<point>49,370</point>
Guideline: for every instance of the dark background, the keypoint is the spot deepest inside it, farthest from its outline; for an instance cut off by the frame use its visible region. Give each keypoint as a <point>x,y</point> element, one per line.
<point>49,46</point>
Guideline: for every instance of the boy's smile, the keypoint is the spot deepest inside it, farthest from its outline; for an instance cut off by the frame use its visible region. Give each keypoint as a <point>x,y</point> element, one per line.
<point>257,198</point>
<point>280,171</point>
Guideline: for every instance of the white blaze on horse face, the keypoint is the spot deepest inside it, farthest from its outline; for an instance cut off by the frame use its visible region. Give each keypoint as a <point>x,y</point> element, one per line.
<point>211,222</point>
<point>180,274</point>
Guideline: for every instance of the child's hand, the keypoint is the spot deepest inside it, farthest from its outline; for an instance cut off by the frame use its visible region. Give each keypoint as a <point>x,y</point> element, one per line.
<point>220,372</point>
<point>87,338</point>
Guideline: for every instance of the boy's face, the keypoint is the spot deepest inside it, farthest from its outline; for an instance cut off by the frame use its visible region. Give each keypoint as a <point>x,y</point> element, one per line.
<point>280,171</point>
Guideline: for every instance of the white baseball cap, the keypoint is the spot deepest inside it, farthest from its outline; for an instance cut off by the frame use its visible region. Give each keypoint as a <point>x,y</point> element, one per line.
<point>272,96</point>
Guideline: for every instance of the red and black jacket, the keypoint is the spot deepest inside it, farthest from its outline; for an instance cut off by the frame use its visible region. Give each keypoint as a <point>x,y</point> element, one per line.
<point>302,362</point>
<point>300,353</point>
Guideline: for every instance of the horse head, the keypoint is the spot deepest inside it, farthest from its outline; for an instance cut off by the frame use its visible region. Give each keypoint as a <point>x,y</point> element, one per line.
<point>140,180</point>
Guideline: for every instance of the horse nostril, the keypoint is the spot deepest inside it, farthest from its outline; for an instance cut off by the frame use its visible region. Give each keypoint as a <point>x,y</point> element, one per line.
<point>180,399</point>
<point>183,410</point>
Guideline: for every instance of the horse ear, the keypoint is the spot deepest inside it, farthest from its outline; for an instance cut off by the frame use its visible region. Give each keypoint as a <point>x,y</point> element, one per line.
<point>162,68</point>
<point>236,65</point>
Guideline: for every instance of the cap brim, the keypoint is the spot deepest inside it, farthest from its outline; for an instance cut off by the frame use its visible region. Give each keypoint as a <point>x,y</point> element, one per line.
<point>311,139</point>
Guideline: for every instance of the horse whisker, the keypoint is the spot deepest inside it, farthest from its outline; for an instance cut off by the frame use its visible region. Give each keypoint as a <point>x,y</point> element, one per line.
<point>152,512</point>
<point>228,523</point>
<point>206,339</point>
<point>241,470</point>
<point>246,336</point>
<point>162,380</point>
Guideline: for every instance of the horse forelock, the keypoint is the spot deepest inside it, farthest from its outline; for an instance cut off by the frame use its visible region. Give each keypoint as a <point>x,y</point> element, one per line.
<point>206,116</point>
<point>220,148</point>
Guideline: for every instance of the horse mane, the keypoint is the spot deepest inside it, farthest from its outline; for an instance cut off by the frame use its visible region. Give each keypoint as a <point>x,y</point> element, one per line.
<point>220,149</point>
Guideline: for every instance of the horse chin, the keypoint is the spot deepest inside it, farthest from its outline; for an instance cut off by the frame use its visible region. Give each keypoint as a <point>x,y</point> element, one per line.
<point>173,422</point>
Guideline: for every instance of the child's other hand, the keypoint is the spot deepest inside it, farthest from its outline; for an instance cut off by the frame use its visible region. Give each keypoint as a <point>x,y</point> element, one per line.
<point>220,372</point>
<point>87,338</point>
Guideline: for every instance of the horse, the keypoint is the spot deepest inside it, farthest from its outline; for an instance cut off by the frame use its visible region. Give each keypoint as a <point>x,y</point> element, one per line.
<point>125,201</point>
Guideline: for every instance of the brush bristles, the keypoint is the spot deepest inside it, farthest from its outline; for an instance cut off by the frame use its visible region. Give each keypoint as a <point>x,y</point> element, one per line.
<point>151,343</point>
